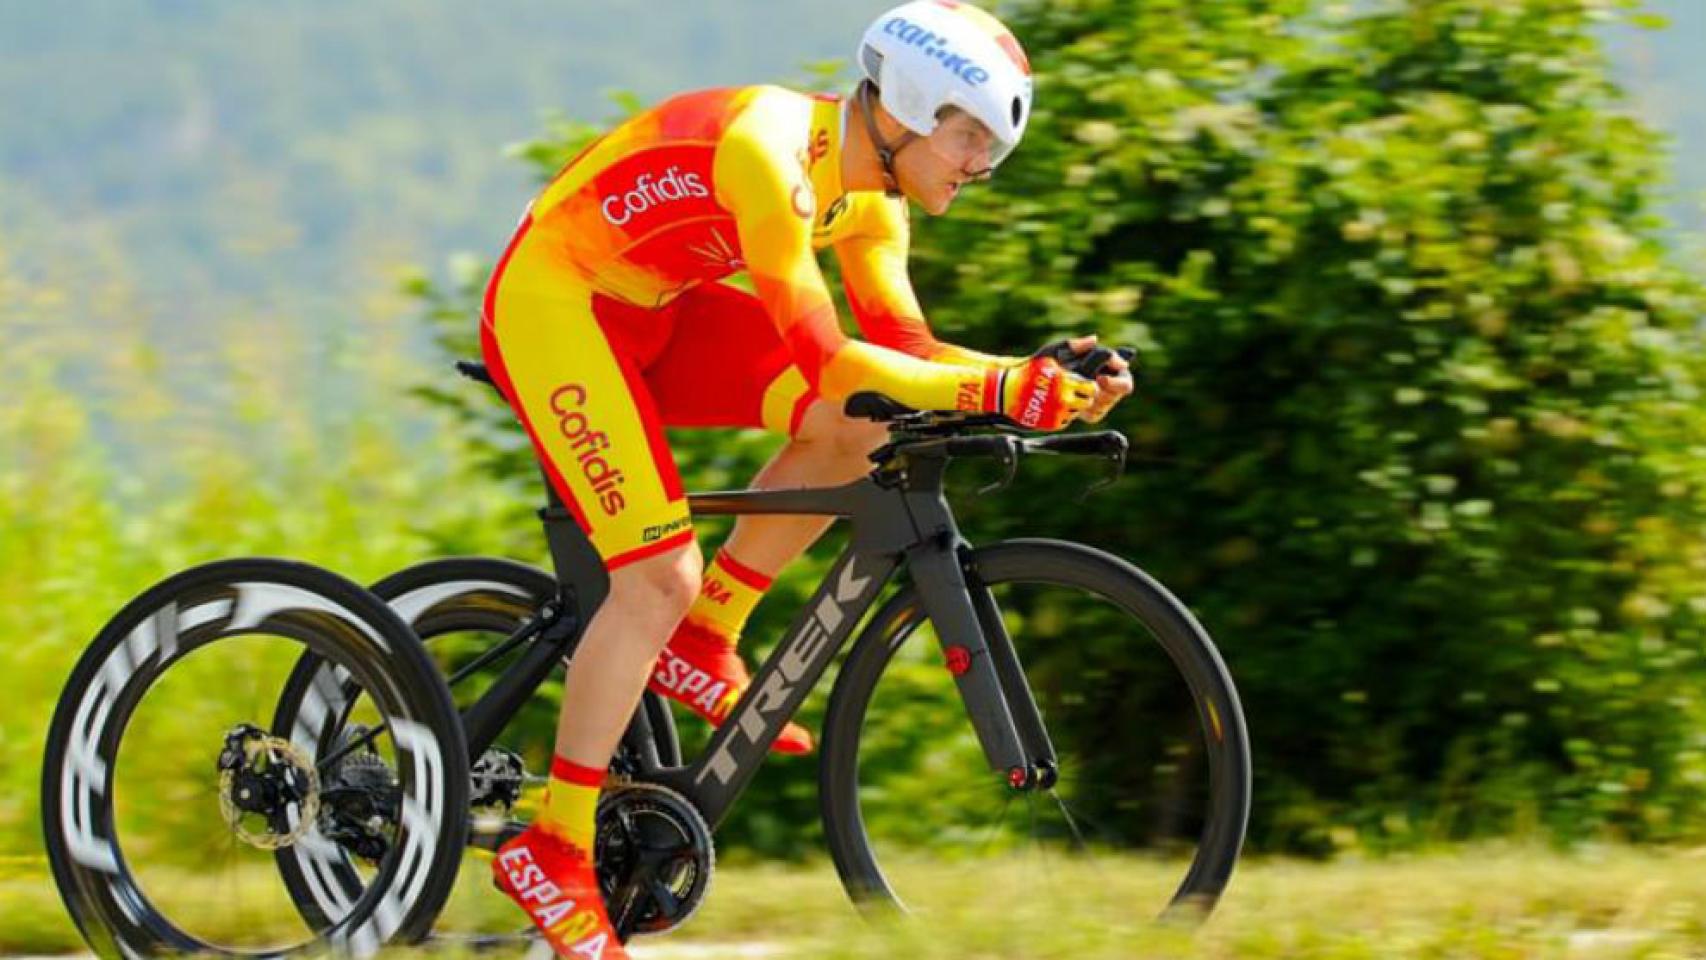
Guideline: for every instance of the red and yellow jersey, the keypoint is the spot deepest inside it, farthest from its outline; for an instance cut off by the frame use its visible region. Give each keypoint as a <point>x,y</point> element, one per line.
<point>711,183</point>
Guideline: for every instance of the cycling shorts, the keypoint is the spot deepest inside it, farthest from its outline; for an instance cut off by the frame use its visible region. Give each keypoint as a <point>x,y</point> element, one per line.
<point>594,380</point>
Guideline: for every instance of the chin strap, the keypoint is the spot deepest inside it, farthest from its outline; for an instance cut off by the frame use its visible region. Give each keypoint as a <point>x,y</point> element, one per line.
<point>886,151</point>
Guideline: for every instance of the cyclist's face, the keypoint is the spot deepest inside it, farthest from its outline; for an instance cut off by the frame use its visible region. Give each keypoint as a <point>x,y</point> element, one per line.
<point>963,142</point>
<point>958,151</point>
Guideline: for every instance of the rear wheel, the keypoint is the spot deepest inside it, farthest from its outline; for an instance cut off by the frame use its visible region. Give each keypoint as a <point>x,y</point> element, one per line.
<point>167,793</point>
<point>1151,794</point>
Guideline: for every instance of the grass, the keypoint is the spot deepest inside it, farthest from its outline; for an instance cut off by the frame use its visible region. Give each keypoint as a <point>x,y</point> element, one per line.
<point>1495,902</point>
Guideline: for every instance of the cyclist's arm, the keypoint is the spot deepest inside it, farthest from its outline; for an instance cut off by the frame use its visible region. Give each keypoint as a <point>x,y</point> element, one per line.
<point>873,271</point>
<point>761,183</point>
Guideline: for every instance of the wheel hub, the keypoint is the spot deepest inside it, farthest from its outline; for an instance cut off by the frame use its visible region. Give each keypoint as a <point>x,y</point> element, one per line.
<point>269,791</point>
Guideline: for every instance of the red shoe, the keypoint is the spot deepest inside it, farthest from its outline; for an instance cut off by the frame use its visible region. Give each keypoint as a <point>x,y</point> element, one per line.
<point>554,881</point>
<point>702,672</point>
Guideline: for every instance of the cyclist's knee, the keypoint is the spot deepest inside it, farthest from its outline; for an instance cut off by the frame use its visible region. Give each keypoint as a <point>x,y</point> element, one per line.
<point>847,438</point>
<point>860,437</point>
<point>665,583</point>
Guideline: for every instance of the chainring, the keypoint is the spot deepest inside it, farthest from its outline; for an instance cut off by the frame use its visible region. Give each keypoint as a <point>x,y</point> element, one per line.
<point>655,858</point>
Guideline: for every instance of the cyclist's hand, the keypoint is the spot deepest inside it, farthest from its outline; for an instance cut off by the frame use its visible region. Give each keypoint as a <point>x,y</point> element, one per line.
<point>1113,384</point>
<point>1040,395</point>
<point>1113,372</point>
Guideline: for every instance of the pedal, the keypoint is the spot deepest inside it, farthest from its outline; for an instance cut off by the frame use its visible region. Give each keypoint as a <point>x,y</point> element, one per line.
<point>496,779</point>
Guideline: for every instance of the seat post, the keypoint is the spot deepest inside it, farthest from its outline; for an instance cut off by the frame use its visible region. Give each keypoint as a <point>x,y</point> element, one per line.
<point>581,577</point>
<point>580,570</point>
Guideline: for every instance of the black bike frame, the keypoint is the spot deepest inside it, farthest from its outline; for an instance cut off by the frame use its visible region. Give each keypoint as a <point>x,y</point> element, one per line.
<point>899,515</point>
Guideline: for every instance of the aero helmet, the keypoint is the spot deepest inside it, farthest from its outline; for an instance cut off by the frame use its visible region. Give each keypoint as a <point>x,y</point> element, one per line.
<point>929,54</point>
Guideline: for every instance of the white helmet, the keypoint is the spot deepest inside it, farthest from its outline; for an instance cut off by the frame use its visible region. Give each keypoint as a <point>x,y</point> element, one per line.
<point>929,54</point>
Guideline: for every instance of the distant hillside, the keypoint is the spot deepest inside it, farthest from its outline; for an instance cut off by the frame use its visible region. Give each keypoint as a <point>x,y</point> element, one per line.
<point>272,149</point>
<point>1665,74</point>
<point>214,191</point>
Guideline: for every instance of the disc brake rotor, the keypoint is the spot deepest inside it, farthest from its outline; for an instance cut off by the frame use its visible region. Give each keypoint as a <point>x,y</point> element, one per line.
<point>270,779</point>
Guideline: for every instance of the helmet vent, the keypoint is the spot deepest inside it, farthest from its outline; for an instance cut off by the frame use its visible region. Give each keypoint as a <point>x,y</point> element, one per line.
<point>872,58</point>
<point>1018,111</point>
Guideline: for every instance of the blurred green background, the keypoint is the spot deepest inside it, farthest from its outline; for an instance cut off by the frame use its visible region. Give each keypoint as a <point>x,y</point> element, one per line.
<point>1418,286</point>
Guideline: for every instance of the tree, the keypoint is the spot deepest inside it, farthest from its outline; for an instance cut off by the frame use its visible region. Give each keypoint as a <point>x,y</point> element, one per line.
<point>1418,426</point>
<point>1418,430</point>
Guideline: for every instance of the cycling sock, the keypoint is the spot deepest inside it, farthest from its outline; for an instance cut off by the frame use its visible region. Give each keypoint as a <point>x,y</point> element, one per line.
<point>729,593</point>
<point>571,801</point>
<point>702,670</point>
<point>556,883</point>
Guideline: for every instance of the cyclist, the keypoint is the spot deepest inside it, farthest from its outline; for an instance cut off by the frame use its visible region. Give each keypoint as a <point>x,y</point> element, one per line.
<point>605,321</point>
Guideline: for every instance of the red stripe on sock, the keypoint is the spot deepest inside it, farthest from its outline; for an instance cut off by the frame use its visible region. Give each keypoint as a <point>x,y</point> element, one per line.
<point>744,573</point>
<point>575,773</point>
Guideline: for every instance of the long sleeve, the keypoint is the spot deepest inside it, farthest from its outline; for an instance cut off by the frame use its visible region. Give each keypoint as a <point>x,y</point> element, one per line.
<point>766,189</point>
<point>873,260</point>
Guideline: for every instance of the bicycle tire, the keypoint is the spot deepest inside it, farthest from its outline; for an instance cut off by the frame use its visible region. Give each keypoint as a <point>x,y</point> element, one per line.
<point>239,600</point>
<point>1130,592</point>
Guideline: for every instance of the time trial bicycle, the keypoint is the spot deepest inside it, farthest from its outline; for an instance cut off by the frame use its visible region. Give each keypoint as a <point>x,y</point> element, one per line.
<point>1026,719</point>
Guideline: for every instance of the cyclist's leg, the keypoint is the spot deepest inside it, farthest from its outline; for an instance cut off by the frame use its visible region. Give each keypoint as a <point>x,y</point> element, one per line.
<point>725,366</point>
<point>598,436</point>
<point>828,448</point>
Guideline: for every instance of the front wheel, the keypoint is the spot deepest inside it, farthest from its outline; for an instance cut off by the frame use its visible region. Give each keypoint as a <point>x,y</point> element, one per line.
<point>1151,786</point>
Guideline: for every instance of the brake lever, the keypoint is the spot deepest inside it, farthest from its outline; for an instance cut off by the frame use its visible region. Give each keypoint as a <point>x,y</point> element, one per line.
<point>1089,366</point>
<point>1008,455</point>
<point>1109,445</point>
<point>1116,469</point>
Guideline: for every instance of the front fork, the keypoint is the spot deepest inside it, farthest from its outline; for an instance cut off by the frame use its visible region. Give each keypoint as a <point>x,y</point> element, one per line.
<point>986,668</point>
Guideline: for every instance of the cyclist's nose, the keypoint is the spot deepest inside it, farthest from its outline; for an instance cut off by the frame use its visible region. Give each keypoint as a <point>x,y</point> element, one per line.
<point>977,164</point>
